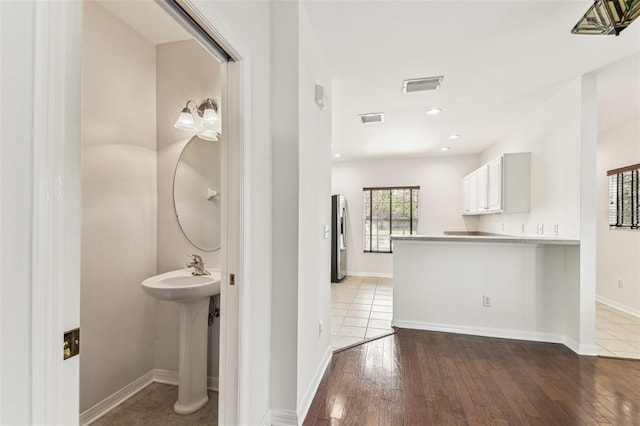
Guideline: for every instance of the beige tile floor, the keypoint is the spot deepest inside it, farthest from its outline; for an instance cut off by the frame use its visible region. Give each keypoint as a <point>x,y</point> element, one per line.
<point>153,405</point>
<point>617,333</point>
<point>361,308</point>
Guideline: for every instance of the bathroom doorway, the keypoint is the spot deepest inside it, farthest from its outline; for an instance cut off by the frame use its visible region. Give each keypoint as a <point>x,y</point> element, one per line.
<point>143,63</point>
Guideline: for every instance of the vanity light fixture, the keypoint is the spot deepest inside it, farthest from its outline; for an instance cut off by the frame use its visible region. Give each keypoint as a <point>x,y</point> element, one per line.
<point>433,111</point>
<point>606,17</point>
<point>202,119</point>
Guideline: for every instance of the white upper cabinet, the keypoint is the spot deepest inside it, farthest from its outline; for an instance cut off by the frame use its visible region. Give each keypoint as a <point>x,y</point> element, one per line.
<point>500,186</point>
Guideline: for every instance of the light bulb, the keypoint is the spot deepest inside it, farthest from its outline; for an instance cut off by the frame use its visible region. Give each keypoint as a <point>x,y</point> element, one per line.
<point>186,121</point>
<point>210,116</point>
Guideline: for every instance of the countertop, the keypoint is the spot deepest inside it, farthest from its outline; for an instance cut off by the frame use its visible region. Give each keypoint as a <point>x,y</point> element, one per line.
<point>485,238</point>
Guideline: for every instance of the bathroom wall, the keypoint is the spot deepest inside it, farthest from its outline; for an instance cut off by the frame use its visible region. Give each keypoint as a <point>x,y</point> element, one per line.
<point>185,71</point>
<point>119,205</point>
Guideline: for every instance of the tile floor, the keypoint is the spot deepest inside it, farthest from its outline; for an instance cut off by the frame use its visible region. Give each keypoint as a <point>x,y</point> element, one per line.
<point>153,405</point>
<point>361,309</point>
<point>617,333</point>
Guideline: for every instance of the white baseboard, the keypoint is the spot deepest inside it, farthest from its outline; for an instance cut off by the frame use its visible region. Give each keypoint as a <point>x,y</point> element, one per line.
<point>266,419</point>
<point>533,336</point>
<point>370,274</point>
<point>307,399</point>
<point>109,403</point>
<point>619,306</point>
<point>283,418</point>
<point>580,349</point>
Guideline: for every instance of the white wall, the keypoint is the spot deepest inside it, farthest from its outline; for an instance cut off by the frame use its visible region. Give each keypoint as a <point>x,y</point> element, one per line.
<point>118,205</point>
<point>619,250</point>
<point>552,134</point>
<point>439,201</point>
<point>185,71</point>
<point>16,207</point>
<point>314,261</point>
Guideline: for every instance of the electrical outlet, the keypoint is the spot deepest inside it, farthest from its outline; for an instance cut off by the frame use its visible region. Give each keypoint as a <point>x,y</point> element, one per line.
<point>620,284</point>
<point>327,232</point>
<point>522,228</point>
<point>320,329</point>
<point>502,226</point>
<point>486,301</point>
<point>555,230</point>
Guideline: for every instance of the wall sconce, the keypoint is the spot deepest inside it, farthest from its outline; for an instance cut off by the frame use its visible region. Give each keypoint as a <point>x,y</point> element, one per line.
<point>202,119</point>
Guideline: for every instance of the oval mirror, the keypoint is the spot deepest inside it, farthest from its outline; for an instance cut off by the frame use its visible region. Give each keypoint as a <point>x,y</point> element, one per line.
<point>196,193</point>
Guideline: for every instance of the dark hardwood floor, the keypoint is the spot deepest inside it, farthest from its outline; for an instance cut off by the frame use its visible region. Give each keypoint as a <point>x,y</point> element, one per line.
<point>428,378</point>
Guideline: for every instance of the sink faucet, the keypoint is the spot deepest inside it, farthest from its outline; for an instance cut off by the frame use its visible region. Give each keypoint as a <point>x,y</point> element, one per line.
<point>198,265</point>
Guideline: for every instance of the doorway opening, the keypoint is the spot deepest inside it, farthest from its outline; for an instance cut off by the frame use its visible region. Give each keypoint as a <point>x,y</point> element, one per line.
<point>142,63</point>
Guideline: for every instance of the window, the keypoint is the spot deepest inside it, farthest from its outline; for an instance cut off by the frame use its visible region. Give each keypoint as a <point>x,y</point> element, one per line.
<point>624,197</point>
<point>388,211</point>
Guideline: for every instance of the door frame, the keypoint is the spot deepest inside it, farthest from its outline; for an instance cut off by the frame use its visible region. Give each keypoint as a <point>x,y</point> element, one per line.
<point>55,283</point>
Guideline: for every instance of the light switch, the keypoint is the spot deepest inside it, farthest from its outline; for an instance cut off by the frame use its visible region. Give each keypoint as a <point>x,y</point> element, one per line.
<point>327,232</point>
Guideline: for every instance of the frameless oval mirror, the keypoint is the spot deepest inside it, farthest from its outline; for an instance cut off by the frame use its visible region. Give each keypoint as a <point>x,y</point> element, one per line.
<point>196,193</point>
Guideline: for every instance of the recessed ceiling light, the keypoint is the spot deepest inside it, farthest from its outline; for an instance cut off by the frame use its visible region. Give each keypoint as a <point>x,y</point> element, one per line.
<point>371,118</point>
<point>454,136</point>
<point>421,84</point>
<point>337,155</point>
<point>433,111</point>
<point>445,148</point>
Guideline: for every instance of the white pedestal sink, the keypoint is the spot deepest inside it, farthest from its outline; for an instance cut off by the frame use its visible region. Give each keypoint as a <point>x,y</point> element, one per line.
<point>191,293</point>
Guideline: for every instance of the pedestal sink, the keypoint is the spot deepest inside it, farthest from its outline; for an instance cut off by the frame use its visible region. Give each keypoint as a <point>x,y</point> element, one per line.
<point>191,293</point>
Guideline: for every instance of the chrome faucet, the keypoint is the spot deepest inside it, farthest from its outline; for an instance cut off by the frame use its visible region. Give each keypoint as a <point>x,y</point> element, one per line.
<point>198,265</point>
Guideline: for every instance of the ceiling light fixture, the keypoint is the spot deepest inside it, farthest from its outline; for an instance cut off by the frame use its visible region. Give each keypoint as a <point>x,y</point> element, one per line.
<point>421,84</point>
<point>433,111</point>
<point>202,119</point>
<point>445,148</point>
<point>455,136</point>
<point>371,118</point>
<point>337,155</point>
<point>606,17</point>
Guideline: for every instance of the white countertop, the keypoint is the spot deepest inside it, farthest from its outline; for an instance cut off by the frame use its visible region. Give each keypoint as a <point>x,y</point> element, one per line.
<point>485,239</point>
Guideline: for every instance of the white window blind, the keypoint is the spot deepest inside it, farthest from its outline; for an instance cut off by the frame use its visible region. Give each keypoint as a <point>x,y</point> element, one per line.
<point>624,197</point>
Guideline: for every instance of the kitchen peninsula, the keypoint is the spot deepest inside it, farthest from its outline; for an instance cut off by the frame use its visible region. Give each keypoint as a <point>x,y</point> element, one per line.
<point>489,285</point>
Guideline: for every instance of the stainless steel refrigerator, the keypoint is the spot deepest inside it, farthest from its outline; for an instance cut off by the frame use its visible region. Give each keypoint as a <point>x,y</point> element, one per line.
<point>338,238</point>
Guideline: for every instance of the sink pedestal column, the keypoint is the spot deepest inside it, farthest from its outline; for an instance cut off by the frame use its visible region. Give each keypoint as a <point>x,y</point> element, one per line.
<point>192,370</point>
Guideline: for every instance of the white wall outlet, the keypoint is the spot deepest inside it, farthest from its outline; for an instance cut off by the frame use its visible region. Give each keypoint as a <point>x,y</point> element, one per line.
<point>327,232</point>
<point>320,329</point>
<point>555,230</point>
<point>522,228</point>
<point>502,226</point>
<point>620,284</point>
<point>540,228</point>
<point>486,301</point>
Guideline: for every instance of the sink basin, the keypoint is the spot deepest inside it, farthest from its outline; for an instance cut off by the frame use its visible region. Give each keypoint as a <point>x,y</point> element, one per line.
<point>182,287</point>
<point>191,293</point>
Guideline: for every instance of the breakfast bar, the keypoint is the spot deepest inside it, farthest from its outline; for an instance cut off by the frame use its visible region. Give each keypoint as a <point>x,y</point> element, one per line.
<point>489,285</point>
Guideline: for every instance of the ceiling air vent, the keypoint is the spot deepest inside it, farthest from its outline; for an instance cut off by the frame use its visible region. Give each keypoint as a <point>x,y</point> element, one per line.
<point>374,117</point>
<point>421,84</point>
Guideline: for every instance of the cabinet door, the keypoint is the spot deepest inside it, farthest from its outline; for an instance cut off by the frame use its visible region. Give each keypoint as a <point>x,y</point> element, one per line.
<point>465,195</point>
<point>473,192</point>
<point>494,185</point>
<point>482,204</point>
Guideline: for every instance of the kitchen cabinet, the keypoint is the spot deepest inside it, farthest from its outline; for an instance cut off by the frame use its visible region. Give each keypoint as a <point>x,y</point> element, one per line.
<point>500,186</point>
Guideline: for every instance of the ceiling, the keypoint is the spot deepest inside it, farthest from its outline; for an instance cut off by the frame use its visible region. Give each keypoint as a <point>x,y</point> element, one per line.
<point>500,60</point>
